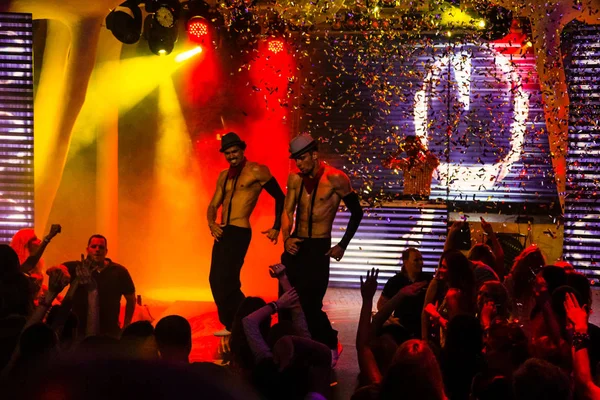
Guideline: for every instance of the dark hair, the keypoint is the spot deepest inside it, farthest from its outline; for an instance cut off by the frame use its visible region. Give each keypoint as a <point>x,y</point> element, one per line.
<point>138,329</point>
<point>539,379</point>
<point>482,252</point>
<point>460,275</point>
<point>94,379</point>
<point>554,277</point>
<point>558,303</point>
<point>9,262</point>
<point>406,253</point>
<point>97,236</point>
<point>37,340</point>
<point>498,294</point>
<point>414,374</point>
<point>173,332</point>
<point>524,270</point>
<point>582,284</point>
<point>16,295</point>
<point>240,350</point>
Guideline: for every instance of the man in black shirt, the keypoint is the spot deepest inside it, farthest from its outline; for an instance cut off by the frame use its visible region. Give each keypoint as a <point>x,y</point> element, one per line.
<point>409,310</point>
<point>113,281</point>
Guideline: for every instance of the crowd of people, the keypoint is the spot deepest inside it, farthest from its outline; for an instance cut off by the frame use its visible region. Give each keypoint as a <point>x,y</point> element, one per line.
<point>470,331</point>
<point>477,331</point>
<point>474,330</point>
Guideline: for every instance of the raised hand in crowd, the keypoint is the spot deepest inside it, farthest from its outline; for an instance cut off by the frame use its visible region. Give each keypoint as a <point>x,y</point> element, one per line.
<point>368,287</point>
<point>276,270</point>
<point>84,276</point>
<point>288,299</point>
<point>580,341</point>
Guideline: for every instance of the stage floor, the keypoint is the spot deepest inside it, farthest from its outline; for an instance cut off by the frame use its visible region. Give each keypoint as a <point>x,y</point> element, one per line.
<point>341,304</point>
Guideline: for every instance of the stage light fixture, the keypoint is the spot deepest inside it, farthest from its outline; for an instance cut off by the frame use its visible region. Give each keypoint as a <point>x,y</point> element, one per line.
<point>198,29</point>
<point>275,45</point>
<point>161,40</point>
<point>203,24</point>
<point>125,22</point>
<point>165,12</point>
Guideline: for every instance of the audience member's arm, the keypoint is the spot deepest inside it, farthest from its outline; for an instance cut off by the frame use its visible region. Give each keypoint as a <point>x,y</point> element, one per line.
<point>128,290</point>
<point>129,309</point>
<point>452,232</point>
<point>496,248</point>
<point>57,282</point>
<point>429,299</point>
<point>389,307</point>
<point>33,259</point>
<point>298,317</point>
<point>366,359</point>
<point>85,279</point>
<point>581,361</point>
<point>251,324</point>
<point>381,302</point>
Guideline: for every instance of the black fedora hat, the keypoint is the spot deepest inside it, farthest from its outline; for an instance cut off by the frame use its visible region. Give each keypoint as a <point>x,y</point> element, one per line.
<point>301,144</point>
<point>231,139</point>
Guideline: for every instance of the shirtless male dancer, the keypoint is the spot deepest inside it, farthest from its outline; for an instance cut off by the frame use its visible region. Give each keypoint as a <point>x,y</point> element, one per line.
<point>314,196</point>
<point>237,191</point>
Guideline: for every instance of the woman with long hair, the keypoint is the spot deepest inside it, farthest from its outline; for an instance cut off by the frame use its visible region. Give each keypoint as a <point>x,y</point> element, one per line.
<point>30,249</point>
<point>520,284</point>
<point>451,293</point>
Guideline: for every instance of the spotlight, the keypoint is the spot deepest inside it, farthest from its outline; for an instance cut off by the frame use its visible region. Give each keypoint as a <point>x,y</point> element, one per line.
<point>481,24</point>
<point>275,46</point>
<point>161,40</point>
<point>166,12</point>
<point>125,22</point>
<point>202,23</point>
<point>197,29</point>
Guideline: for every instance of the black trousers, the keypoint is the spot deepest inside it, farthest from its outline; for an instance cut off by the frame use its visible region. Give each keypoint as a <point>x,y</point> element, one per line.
<point>308,272</point>
<point>227,259</point>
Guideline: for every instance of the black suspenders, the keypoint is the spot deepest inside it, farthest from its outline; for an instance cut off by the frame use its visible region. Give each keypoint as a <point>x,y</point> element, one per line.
<point>232,193</point>
<point>312,205</point>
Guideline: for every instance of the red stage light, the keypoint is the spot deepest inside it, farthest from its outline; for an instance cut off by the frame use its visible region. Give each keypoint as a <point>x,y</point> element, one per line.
<point>275,46</point>
<point>197,29</point>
